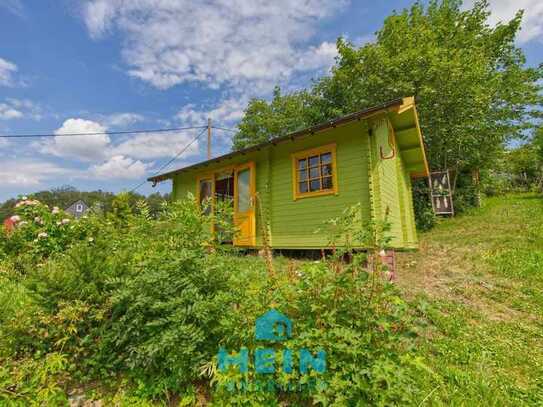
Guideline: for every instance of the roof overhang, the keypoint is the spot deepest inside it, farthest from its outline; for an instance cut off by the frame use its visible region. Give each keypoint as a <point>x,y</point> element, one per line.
<point>405,122</point>
<point>402,107</point>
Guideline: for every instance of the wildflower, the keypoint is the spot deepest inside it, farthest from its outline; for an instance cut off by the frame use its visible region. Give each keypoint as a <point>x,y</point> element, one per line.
<point>390,276</point>
<point>382,253</point>
<point>42,235</point>
<point>91,239</point>
<point>65,221</point>
<point>38,220</point>
<point>55,209</point>
<point>59,223</point>
<point>25,198</point>
<point>15,218</point>
<point>24,222</point>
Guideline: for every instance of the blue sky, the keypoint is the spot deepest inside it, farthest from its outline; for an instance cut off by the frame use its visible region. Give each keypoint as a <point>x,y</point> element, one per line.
<point>106,65</point>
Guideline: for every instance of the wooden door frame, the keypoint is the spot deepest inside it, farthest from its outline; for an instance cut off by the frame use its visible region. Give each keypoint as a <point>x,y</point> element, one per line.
<point>251,240</point>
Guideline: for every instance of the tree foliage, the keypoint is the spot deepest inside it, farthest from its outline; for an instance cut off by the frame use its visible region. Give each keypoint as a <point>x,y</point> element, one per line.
<point>472,88</point>
<point>283,114</point>
<point>66,195</point>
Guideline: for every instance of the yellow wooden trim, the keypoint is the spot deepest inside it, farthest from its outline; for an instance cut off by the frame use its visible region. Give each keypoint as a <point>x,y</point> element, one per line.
<point>252,212</point>
<point>421,141</point>
<point>409,103</point>
<point>329,148</point>
<point>252,182</point>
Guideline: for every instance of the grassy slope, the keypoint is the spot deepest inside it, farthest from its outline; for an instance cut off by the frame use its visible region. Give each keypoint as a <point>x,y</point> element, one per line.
<point>477,284</point>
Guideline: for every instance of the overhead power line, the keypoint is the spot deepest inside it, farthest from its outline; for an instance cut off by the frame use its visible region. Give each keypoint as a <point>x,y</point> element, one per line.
<point>174,158</point>
<point>100,133</point>
<point>224,128</point>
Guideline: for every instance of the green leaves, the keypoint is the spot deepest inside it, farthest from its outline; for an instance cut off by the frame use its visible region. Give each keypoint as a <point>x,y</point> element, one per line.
<point>284,114</point>
<point>472,88</point>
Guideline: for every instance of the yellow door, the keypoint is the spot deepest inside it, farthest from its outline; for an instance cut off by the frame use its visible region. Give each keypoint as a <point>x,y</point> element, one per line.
<point>244,205</point>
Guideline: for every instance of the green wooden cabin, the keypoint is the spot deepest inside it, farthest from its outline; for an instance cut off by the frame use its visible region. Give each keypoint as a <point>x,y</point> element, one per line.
<point>310,176</point>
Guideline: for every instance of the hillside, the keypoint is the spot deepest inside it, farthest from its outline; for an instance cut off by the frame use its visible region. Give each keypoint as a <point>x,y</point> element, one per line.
<point>477,285</point>
<point>463,326</point>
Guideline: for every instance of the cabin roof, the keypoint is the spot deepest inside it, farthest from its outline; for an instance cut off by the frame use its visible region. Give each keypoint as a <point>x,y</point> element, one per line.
<point>399,106</point>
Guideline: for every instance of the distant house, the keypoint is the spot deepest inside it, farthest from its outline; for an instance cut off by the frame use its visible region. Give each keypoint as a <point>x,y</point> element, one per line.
<point>78,208</point>
<point>304,178</point>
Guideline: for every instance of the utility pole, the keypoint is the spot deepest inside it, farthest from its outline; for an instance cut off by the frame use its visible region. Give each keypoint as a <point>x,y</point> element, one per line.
<point>209,138</point>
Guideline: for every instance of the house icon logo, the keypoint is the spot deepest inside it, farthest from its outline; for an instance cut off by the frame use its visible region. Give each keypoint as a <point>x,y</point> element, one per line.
<point>273,326</point>
<point>266,361</point>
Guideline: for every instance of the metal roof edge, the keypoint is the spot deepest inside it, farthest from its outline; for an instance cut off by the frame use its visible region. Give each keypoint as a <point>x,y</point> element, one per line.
<point>291,136</point>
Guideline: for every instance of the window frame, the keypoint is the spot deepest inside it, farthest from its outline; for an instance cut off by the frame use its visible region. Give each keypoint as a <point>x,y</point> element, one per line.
<point>328,148</point>
<point>210,176</point>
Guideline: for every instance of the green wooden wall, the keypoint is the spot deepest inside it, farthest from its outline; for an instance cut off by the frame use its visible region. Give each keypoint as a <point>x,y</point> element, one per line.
<point>295,221</point>
<point>391,194</point>
<point>359,170</point>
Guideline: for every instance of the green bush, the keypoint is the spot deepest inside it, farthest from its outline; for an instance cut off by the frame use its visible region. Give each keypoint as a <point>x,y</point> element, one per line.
<point>346,310</point>
<point>151,301</point>
<point>359,321</point>
<point>141,297</point>
<point>33,382</point>
<point>40,232</point>
<point>425,218</point>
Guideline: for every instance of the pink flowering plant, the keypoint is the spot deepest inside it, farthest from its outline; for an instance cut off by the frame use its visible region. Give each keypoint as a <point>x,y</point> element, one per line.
<point>39,231</point>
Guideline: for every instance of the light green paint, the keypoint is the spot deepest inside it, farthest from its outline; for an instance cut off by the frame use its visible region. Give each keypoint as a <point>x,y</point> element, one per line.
<point>363,178</point>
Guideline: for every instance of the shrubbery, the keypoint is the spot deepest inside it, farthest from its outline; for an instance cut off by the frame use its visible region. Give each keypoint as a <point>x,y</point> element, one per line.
<point>124,298</point>
<point>38,232</point>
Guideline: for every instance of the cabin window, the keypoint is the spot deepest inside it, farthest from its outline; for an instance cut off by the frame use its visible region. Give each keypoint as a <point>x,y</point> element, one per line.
<point>314,172</point>
<point>205,194</point>
<point>79,208</point>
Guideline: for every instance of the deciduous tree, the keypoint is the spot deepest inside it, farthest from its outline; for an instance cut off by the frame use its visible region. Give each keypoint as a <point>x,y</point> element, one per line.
<point>472,88</point>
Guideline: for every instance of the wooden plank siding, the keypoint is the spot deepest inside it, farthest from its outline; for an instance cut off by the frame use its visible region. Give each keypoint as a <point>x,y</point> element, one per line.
<point>386,178</point>
<point>294,222</point>
<point>391,187</point>
<point>363,178</point>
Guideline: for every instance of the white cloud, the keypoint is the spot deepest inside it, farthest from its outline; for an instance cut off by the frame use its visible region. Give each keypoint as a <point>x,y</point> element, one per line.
<point>7,69</point>
<point>505,10</point>
<point>26,108</point>
<point>122,119</point>
<point>119,167</point>
<point>84,148</point>
<point>24,173</point>
<point>226,112</point>
<point>18,109</point>
<point>245,44</point>
<point>318,57</point>
<point>156,145</point>
<point>97,148</point>
<point>8,112</point>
